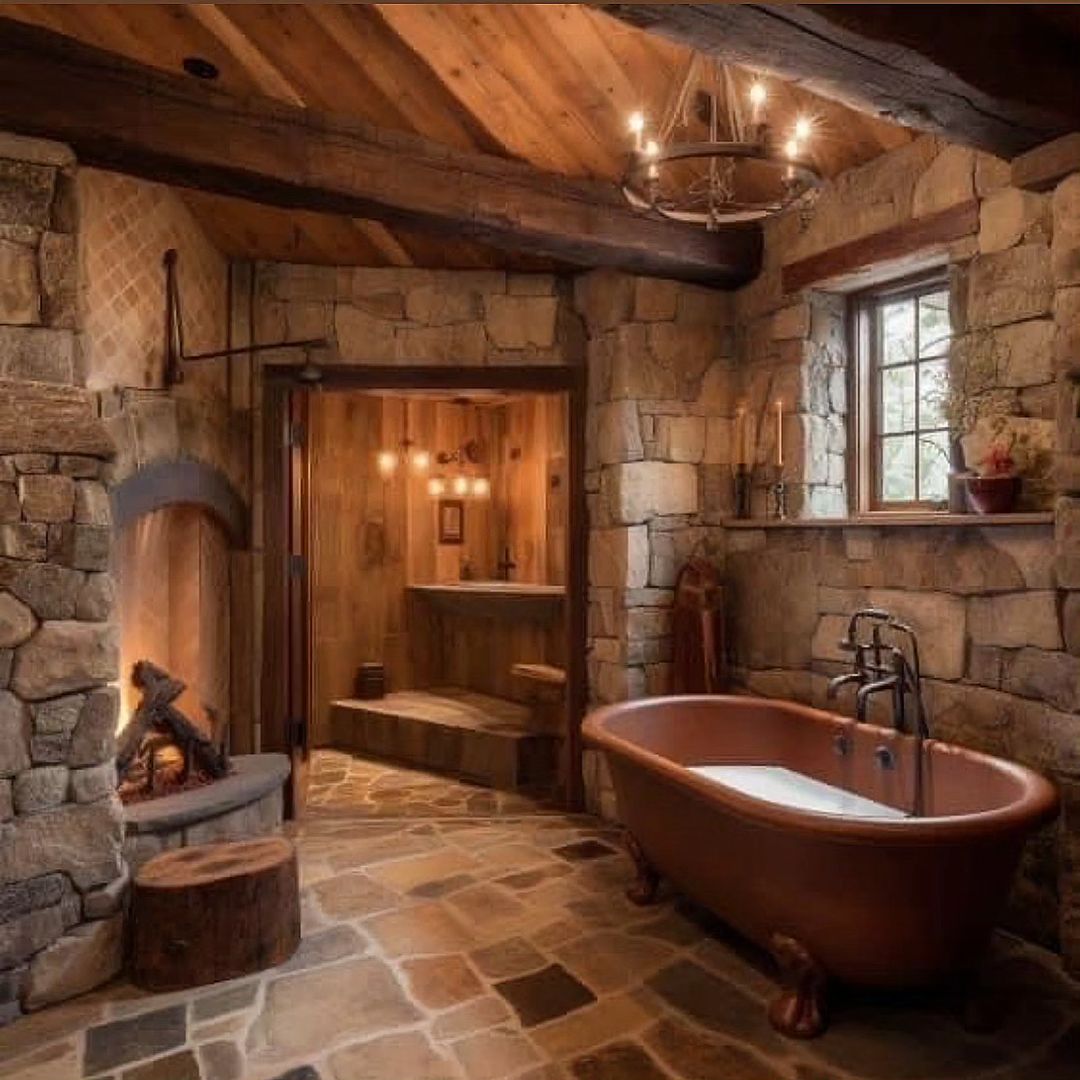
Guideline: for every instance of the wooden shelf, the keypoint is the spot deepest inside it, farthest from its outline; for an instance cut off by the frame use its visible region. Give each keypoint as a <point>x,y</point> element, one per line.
<point>892,521</point>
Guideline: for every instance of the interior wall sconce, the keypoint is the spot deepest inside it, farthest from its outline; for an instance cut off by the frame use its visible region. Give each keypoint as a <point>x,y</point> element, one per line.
<point>465,484</point>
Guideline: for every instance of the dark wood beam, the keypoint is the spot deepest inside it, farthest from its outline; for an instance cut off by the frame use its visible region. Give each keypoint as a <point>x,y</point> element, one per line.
<point>1046,166</point>
<point>120,115</point>
<point>921,236</point>
<point>987,75</point>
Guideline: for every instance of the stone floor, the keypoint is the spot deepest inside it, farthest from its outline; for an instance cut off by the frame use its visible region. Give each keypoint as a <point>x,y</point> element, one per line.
<point>453,940</point>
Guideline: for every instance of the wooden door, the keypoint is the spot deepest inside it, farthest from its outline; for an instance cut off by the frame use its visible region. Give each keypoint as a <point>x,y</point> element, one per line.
<point>298,591</point>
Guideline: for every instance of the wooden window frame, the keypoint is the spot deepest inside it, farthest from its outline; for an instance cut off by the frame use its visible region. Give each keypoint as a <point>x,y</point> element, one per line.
<point>864,373</point>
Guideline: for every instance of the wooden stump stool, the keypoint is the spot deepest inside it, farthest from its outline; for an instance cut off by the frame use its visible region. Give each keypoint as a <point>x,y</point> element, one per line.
<point>212,912</point>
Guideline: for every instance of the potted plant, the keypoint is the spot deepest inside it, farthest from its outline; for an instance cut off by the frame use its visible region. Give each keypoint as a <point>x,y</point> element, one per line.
<point>995,486</point>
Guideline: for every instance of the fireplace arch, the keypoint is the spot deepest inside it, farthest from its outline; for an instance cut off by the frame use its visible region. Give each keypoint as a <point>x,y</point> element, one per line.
<point>176,524</point>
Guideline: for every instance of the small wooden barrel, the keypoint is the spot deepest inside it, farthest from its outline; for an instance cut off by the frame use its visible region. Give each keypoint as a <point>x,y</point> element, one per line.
<point>215,911</point>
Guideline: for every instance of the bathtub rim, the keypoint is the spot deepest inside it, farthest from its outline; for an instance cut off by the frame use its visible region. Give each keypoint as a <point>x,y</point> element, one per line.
<point>1037,805</point>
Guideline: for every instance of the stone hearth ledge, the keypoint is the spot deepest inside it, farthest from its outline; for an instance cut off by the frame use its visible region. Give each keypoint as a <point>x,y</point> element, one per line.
<point>893,521</point>
<point>253,777</point>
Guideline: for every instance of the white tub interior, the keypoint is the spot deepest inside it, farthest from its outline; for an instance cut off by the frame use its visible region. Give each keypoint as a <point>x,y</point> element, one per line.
<point>784,787</point>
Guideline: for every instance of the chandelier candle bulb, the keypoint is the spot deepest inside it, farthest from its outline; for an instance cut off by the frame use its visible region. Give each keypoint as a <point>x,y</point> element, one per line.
<point>779,434</point>
<point>387,462</point>
<point>637,128</point>
<point>758,96</point>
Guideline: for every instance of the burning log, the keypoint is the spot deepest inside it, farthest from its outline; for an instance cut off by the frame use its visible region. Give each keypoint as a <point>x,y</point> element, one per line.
<point>160,735</point>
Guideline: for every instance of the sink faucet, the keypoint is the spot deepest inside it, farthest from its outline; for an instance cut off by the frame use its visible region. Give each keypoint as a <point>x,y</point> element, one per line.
<point>505,565</point>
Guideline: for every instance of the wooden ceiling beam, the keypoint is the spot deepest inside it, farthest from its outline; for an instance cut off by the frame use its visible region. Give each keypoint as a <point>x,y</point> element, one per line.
<point>989,76</point>
<point>131,118</point>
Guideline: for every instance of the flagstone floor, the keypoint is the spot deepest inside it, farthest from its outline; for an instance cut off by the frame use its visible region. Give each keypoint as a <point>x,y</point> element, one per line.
<point>453,934</point>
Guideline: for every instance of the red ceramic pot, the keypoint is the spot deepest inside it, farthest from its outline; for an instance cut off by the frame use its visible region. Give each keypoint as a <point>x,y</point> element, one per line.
<point>993,494</point>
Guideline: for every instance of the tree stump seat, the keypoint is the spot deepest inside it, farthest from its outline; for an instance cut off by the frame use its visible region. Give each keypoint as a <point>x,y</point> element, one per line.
<point>215,911</point>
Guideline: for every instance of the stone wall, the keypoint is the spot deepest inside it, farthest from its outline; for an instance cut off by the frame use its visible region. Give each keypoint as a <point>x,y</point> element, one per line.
<point>61,872</point>
<point>660,359</point>
<point>994,606</point>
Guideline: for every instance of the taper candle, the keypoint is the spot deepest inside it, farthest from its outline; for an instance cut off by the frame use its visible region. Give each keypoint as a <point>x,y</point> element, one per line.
<point>779,432</point>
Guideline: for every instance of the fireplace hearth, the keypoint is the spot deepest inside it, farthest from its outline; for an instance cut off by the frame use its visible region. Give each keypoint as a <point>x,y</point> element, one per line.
<point>161,751</point>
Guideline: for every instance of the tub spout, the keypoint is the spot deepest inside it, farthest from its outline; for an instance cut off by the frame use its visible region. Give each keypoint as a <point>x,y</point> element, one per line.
<point>862,695</point>
<point>842,680</point>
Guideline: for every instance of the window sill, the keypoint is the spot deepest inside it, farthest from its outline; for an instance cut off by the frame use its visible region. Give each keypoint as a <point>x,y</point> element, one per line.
<point>896,520</point>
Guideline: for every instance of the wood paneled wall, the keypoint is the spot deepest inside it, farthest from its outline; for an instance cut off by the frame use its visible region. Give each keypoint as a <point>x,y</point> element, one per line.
<point>371,537</point>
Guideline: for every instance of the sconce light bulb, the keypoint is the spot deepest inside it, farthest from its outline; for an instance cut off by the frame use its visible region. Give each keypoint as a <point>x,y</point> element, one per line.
<point>758,93</point>
<point>652,149</point>
<point>387,461</point>
<point>436,487</point>
<point>803,128</point>
<point>421,460</point>
<point>791,148</point>
<point>481,487</point>
<point>461,485</point>
<point>636,123</point>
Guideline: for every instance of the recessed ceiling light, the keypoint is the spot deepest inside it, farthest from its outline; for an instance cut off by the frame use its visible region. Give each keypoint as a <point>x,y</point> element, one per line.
<point>200,67</point>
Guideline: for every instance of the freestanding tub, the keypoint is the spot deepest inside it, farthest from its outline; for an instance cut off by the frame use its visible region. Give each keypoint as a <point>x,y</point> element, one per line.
<point>861,893</point>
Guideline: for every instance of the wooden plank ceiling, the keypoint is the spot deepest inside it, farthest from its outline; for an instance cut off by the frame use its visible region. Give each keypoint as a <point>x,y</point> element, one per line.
<point>550,84</point>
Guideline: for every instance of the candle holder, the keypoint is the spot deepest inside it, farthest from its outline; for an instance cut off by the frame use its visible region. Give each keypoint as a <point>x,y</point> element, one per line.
<point>743,491</point>
<point>779,494</point>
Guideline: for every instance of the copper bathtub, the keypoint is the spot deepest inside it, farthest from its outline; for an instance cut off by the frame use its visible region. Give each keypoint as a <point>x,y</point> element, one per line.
<point>880,902</point>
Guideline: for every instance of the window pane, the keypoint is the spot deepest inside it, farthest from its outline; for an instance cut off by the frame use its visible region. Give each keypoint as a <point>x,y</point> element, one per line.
<point>934,466</point>
<point>933,385</point>
<point>898,468</point>
<point>897,399</point>
<point>897,332</point>
<point>934,327</point>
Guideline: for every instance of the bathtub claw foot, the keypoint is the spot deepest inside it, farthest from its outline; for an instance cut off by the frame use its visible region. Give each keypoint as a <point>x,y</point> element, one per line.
<point>800,1010</point>
<point>646,885</point>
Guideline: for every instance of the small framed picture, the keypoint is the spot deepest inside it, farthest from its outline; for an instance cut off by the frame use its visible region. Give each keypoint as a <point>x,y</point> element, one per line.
<point>451,521</point>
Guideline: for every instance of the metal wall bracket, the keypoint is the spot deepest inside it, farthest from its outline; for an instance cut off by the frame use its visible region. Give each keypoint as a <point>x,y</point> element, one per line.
<point>176,357</point>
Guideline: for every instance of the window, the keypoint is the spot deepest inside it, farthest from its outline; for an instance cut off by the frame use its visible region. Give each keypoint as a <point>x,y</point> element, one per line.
<point>902,439</point>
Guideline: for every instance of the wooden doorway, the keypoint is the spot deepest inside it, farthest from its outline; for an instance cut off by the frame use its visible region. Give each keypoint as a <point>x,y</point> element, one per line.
<point>287,616</point>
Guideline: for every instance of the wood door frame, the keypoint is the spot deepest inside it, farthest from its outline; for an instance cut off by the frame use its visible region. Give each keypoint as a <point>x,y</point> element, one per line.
<point>281,380</point>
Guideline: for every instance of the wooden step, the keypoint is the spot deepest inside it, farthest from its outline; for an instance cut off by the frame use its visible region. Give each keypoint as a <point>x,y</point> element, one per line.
<point>448,730</point>
<point>541,673</point>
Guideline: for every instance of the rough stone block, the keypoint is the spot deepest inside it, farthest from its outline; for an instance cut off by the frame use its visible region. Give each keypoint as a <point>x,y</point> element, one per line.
<point>436,305</point>
<point>20,303</point>
<point>46,497</point>
<point>81,840</point>
<point>680,438</point>
<point>14,735</point>
<point>1009,286</point>
<point>1067,542</point>
<point>28,932</point>
<point>615,433</point>
<point>40,789</point>
<point>1013,620</point>
<point>642,490</point>
<point>64,657</point>
<point>108,899</point>
<point>95,599</point>
<point>363,338</point>
<point>1010,216</point>
<point>59,279</point>
<point>7,804</point>
<point>17,621</point>
<point>79,467</point>
<point>26,192</point>
<point>82,547</point>
<point>605,299</point>
<point>91,505</point>
<point>1049,676</point>
<point>830,631</point>
<point>619,558</point>
<point>95,782</point>
<point>1025,353</point>
<point>49,590</point>
<point>87,957</point>
<point>1070,622</point>
<point>94,738</point>
<point>791,322</point>
<point>10,510</point>
<point>948,181</point>
<point>24,540</point>
<point>518,322</point>
<point>37,354</point>
<point>655,299</point>
<point>1065,247</point>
